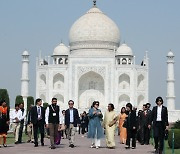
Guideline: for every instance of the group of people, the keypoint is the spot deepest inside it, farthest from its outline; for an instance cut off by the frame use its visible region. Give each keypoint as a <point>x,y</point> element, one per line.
<point>132,125</point>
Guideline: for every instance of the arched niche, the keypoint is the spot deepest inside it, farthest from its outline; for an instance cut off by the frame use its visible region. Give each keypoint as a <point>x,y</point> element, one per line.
<point>43,97</point>
<point>124,82</point>
<point>42,81</point>
<point>140,81</point>
<point>140,101</point>
<point>90,88</point>
<point>123,100</point>
<point>58,82</point>
<point>60,99</point>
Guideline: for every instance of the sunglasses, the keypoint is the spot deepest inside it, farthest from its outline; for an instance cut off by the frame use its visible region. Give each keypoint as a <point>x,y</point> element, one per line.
<point>159,100</point>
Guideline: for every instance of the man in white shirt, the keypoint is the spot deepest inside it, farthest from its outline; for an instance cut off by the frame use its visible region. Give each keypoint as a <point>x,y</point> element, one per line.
<point>16,117</point>
<point>72,120</point>
<point>21,107</point>
<point>159,117</point>
<point>53,118</point>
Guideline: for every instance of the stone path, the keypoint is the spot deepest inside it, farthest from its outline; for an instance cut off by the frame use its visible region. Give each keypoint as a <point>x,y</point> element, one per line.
<point>82,147</point>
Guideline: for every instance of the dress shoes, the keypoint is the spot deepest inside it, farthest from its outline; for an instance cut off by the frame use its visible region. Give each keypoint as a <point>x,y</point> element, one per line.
<point>42,144</point>
<point>36,145</point>
<point>52,147</point>
<point>16,142</point>
<point>71,145</point>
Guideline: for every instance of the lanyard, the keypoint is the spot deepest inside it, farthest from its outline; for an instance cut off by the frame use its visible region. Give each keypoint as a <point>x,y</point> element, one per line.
<point>53,108</point>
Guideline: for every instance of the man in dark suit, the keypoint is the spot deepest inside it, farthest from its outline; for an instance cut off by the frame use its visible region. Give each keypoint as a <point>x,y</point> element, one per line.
<point>38,121</point>
<point>71,121</point>
<point>159,117</point>
<point>144,126</point>
<point>131,126</point>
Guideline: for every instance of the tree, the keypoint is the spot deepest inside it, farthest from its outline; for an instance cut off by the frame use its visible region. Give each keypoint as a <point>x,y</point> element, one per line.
<point>45,105</point>
<point>19,99</point>
<point>30,100</point>
<point>4,96</point>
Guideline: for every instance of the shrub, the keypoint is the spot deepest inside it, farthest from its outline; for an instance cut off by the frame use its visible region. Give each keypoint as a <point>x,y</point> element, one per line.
<point>30,101</point>
<point>4,96</point>
<point>177,125</point>
<point>45,105</point>
<point>176,138</point>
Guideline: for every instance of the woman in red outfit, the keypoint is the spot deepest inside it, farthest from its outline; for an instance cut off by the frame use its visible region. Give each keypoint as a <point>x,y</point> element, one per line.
<point>4,123</point>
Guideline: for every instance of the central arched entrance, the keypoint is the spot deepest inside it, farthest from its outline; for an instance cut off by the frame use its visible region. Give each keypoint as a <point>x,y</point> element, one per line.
<point>91,87</point>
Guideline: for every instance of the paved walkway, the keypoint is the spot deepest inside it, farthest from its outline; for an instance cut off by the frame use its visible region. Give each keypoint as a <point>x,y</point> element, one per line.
<point>82,147</point>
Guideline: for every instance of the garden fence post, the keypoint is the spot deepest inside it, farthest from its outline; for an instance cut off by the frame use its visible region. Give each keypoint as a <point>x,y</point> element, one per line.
<point>172,141</point>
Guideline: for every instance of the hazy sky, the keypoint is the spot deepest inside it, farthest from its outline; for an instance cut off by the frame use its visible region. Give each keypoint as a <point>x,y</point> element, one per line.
<point>37,25</point>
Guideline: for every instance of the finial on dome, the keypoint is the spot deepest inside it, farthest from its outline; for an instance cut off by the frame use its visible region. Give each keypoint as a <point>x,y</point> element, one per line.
<point>94,1</point>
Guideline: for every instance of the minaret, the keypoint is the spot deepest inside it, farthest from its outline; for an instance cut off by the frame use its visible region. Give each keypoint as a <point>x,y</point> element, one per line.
<point>25,77</point>
<point>170,82</point>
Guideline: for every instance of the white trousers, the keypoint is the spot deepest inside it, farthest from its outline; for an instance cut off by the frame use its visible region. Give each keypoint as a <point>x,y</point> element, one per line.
<point>95,141</point>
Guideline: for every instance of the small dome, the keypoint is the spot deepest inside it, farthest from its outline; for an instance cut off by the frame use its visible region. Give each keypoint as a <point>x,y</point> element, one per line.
<point>124,49</point>
<point>25,53</point>
<point>170,54</point>
<point>94,30</point>
<point>61,49</point>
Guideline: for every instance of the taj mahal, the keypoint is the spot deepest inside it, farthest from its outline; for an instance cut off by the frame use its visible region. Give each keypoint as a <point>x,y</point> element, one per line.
<point>95,65</point>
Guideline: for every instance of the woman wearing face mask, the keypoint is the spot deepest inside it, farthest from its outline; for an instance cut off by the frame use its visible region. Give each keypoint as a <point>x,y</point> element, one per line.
<point>95,130</point>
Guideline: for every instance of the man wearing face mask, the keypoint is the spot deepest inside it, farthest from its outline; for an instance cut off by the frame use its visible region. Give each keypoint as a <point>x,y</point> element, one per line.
<point>53,121</point>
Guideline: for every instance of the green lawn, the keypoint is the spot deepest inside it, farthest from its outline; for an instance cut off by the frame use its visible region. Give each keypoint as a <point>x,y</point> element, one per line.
<point>167,149</point>
<point>10,138</point>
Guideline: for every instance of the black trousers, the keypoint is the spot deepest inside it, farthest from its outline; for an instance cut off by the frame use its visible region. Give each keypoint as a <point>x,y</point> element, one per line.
<point>131,133</point>
<point>38,127</point>
<point>145,135</point>
<point>159,133</point>
<point>21,131</point>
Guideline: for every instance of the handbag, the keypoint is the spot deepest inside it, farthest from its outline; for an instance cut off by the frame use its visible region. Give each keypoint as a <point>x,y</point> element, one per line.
<point>62,127</point>
<point>125,123</point>
<point>166,135</point>
<point>58,138</point>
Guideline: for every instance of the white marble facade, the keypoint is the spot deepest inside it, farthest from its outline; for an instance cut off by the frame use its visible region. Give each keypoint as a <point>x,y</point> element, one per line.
<point>95,66</point>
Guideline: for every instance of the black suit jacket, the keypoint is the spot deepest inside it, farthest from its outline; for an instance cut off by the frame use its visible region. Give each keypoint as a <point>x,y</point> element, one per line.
<point>131,120</point>
<point>75,115</point>
<point>34,115</point>
<point>164,116</point>
<point>144,119</point>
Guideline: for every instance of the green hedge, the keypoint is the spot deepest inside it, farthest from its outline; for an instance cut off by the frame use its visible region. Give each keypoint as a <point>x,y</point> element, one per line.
<point>176,138</point>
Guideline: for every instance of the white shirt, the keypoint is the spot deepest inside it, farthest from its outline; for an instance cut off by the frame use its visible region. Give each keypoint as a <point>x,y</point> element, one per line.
<point>47,116</point>
<point>23,114</point>
<point>159,109</point>
<point>71,115</point>
<point>16,114</point>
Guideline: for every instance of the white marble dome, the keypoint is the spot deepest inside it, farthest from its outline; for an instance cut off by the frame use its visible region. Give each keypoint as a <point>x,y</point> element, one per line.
<point>61,49</point>
<point>170,54</point>
<point>94,30</point>
<point>25,53</point>
<point>124,49</point>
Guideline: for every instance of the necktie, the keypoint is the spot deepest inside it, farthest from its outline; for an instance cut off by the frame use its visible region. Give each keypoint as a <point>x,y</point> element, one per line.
<point>39,111</point>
